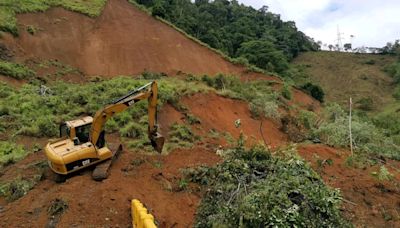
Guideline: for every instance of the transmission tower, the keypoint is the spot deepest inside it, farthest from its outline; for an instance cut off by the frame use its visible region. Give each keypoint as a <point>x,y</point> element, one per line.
<point>339,39</point>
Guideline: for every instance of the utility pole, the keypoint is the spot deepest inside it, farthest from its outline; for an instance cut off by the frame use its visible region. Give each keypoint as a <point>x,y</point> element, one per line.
<point>351,137</point>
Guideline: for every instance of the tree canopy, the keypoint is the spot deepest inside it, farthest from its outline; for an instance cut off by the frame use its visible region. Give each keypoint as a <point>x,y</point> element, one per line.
<point>237,30</point>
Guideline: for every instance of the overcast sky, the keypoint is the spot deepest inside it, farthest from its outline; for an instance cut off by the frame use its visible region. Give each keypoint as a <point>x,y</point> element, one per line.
<point>372,22</point>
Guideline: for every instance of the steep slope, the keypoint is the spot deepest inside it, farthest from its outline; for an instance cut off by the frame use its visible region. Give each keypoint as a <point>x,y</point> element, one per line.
<point>122,41</point>
<point>342,75</point>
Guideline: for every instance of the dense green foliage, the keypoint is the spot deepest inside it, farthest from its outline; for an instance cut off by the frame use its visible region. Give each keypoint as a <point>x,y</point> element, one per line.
<point>314,91</point>
<point>239,31</point>
<point>252,188</point>
<point>15,70</point>
<point>9,8</point>
<point>10,153</point>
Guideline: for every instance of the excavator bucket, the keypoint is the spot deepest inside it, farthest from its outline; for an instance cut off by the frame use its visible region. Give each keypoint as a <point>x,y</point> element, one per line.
<point>157,141</point>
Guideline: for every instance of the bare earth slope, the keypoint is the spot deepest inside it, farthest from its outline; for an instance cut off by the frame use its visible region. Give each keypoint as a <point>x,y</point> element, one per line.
<point>122,41</point>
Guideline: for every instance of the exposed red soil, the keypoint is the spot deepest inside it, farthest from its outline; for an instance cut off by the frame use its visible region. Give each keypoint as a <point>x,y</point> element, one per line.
<point>11,81</point>
<point>122,41</point>
<point>371,200</point>
<point>220,113</point>
<point>107,203</point>
<point>167,116</point>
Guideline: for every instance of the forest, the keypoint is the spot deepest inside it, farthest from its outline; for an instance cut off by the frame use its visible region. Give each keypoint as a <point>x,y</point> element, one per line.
<point>258,37</point>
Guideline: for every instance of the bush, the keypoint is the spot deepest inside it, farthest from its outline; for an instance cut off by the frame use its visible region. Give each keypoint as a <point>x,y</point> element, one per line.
<point>314,90</point>
<point>366,104</point>
<point>17,188</point>
<point>15,70</point>
<point>286,92</point>
<point>367,137</point>
<point>251,188</point>
<point>370,62</point>
<point>10,153</point>
<point>180,132</point>
<point>133,130</point>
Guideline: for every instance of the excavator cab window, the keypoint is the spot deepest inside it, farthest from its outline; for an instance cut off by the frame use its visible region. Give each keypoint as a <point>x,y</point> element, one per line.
<point>64,130</point>
<point>82,133</point>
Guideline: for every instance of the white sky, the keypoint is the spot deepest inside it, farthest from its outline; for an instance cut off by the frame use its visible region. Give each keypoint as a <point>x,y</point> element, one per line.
<point>372,22</point>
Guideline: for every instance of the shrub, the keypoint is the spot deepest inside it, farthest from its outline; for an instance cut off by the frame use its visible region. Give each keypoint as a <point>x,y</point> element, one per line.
<point>366,104</point>
<point>16,189</point>
<point>15,70</point>
<point>314,90</point>
<point>370,62</point>
<point>251,188</point>
<point>31,29</point>
<point>57,207</point>
<point>286,92</point>
<point>396,93</point>
<point>180,132</point>
<point>133,130</point>
<point>10,153</point>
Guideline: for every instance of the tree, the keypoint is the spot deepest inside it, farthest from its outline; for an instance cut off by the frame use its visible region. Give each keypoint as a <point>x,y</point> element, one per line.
<point>264,55</point>
<point>330,46</point>
<point>347,46</point>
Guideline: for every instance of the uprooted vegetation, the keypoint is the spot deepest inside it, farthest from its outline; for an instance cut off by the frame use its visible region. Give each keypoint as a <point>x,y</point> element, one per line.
<point>253,188</point>
<point>9,9</point>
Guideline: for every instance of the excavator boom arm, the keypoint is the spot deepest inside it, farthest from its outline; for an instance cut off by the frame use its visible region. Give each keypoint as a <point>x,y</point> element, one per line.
<point>148,91</point>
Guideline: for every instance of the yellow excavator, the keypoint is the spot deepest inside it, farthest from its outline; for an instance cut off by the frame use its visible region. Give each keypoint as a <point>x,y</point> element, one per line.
<point>82,142</point>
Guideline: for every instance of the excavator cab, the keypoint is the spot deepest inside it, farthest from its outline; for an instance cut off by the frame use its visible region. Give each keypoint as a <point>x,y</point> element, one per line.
<point>82,141</point>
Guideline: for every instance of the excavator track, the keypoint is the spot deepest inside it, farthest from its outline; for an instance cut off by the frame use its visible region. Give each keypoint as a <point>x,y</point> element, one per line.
<point>101,171</point>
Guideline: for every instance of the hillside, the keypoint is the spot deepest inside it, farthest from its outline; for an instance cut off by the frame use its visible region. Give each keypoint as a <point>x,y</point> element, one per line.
<point>345,75</point>
<point>123,40</point>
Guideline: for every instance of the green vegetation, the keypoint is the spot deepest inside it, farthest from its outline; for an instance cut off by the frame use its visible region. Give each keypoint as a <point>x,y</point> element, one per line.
<point>252,188</point>
<point>15,70</point>
<point>383,174</point>
<point>314,91</point>
<point>10,153</point>
<point>180,136</point>
<point>31,29</point>
<point>368,138</point>
<point>17,188</point>
<point>236,30</point>
<point>34,111</point>
<point>345,75</point>
<point>262,98</point>
<point>9,8</point>
<point>57,207</point>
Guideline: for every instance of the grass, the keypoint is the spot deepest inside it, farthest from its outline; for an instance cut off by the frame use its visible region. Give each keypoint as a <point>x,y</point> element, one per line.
<point>9,9</point>
<point>345,75</point>
<point>15,70</point>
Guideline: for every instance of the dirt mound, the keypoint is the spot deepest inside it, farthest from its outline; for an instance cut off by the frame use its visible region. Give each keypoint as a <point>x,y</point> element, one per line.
<point>151,179</point>
<point>367,201</point>
<point>122,41</point>
<point>220,114</point>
